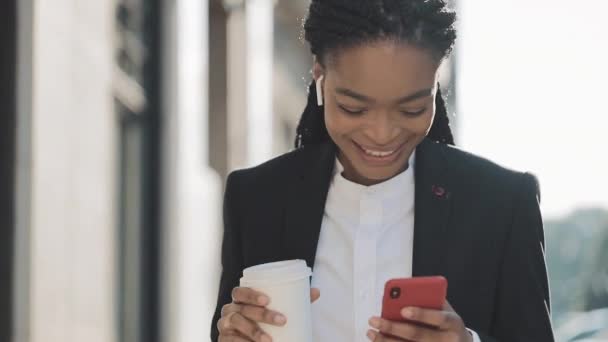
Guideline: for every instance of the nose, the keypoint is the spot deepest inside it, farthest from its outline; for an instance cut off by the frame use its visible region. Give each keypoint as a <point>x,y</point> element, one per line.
<point>382,131</point>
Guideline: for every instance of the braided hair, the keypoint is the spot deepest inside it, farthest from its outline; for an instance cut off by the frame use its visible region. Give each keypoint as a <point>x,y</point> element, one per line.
<point>337,24</point>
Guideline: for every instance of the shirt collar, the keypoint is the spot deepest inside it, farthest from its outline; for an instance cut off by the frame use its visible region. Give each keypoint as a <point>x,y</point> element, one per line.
<point>391,189</point>
<point>388,202</point>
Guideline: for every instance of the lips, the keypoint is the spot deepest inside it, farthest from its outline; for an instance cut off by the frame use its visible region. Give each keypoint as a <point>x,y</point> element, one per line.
<point>378,156</point>
<point>378,153</point>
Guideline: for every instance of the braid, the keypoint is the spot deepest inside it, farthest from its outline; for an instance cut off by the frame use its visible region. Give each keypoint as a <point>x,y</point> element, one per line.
<point>440,130</point>
<point>311,128</point>
<point>335,24</point>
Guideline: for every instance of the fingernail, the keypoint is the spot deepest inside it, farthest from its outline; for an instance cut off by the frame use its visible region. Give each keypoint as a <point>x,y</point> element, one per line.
<point>263,300</point>
<point>280,319</point>
<point>371,335</point>
<point>407,313</point>
<point>374,322</point>
<point>266,338</point>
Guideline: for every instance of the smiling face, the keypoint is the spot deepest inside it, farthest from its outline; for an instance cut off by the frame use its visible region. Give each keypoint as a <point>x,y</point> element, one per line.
<point>379,105</point>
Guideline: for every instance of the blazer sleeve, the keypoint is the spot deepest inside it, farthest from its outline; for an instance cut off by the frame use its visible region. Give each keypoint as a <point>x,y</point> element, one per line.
<point>522,308</point>
<point>231,257</point>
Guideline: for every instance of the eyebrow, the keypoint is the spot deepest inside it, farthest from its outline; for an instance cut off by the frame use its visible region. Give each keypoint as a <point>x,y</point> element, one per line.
<point>405,99</point>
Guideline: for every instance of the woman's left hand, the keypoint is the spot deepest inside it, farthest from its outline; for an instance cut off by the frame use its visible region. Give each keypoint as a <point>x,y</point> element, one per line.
<point>448,327</point>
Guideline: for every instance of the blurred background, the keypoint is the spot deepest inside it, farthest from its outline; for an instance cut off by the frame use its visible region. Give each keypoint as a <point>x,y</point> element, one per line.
<point>120,119</point>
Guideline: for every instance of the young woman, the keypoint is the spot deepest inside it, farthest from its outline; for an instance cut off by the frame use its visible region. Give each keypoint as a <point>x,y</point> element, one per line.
<point>376,190</point>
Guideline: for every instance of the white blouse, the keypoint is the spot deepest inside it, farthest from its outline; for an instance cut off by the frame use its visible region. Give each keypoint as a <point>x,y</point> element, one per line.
<point>366,238</point>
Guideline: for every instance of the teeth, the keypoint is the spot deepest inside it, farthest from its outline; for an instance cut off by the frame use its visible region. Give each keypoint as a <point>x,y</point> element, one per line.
<point>377,153</point>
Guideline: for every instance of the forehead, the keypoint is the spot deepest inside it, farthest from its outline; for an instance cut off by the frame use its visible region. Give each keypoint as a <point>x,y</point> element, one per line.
<point>383,69</point>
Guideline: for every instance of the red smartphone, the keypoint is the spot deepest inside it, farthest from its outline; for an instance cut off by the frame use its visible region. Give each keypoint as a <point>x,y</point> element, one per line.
<point>422,292</point>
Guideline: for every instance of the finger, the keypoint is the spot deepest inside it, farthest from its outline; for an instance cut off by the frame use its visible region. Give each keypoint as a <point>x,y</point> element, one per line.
<point>255,313</point>
<point>259,314</point>
<point>314,294</point>
<point>248,328</point>
<point>228,326</point>
<point>408,331</point>
<point>241,336</point>
<point>245,295</point>
<point>233,336</point>
<point>436,318</point>
<point>375,336</point>
<point>236,337</point>
<point>229,308</point>
<point>224,327</point>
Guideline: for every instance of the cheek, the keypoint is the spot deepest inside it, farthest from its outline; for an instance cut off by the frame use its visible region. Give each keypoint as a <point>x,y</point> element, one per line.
<point>418,126</point>
<point>338,124</point>
<point>424,123</point>
<point>429,121</point>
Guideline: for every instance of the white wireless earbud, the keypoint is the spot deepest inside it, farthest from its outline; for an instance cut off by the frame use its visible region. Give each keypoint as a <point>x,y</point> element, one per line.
<point>319,91</point>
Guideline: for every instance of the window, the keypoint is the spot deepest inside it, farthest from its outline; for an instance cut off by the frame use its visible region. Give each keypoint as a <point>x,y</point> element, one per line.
<point>137,104</point>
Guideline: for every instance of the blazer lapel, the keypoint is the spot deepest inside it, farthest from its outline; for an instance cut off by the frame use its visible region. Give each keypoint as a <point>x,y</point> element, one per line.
<point>432,209</point>
<point>306,203</point>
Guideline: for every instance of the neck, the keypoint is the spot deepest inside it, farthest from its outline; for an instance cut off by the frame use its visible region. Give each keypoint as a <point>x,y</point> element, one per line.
<point>352,175</point>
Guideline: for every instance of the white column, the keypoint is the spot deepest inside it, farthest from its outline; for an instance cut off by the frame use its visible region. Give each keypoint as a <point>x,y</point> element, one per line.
<point>237,84</point>
<point>260,23</point>
<point>191,219</point>
<point>68,155</point>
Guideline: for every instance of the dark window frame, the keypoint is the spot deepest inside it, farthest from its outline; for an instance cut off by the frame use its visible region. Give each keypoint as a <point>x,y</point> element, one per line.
<point>139,232</point>
<point>8,113</point>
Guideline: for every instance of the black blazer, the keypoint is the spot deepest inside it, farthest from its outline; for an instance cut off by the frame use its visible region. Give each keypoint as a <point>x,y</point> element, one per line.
<point>476,223</point>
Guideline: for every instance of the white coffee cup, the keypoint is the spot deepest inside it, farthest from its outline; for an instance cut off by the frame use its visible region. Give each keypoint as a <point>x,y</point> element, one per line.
<point>287,284</point>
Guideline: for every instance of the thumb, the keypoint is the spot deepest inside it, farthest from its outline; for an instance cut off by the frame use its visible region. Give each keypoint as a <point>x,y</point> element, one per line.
<point>314,294</point>
<point>447,306</point>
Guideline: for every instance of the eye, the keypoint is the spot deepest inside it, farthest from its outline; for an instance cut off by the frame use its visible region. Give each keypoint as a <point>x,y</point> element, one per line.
<point>416,113</point>
<point>351,111</point>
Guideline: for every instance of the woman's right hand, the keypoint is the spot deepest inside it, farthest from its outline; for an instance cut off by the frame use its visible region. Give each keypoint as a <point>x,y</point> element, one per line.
<point>239,319</point>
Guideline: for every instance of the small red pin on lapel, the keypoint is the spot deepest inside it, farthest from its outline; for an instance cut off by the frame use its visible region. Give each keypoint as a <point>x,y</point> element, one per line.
<point>440,192</point>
